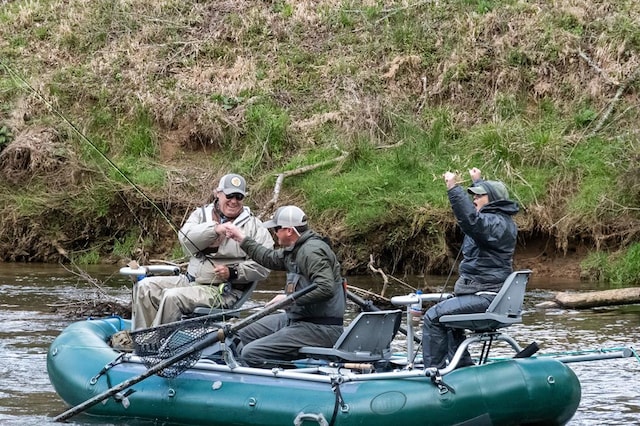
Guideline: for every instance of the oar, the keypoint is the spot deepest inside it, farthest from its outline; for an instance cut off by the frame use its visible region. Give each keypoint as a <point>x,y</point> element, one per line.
<point>368,306</point>
<point>202,318</point>
<point>207,341</point>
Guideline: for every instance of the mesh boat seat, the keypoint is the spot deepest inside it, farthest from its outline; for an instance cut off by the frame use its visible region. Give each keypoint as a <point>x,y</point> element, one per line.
<point>504,310</point>
<point>368,338</point>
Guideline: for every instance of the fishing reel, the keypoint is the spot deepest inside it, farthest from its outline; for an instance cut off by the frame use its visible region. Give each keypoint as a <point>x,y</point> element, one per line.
<point>224,288</point>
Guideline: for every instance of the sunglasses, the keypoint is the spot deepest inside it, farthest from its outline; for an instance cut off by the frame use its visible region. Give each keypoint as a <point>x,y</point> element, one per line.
<point>476,196</point>
<point>277,228</point>
<point>235,195</point>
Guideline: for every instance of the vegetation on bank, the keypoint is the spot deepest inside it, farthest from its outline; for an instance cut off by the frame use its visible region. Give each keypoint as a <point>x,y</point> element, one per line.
<point>114,114</point>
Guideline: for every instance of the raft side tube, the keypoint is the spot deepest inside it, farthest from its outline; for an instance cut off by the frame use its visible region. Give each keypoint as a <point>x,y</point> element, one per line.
<point>514,391</point>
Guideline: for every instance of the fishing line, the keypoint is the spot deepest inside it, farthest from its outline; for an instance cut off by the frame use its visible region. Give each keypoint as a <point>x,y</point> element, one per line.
<point>444,286</point>
<point>453,265</point>
<point>14,74</point>
<point>84,138</point>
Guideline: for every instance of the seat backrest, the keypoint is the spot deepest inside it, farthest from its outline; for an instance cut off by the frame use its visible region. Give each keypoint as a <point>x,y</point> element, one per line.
<point>368,338</point>
<point>504,310</point>
<point>370,332</point>
<point>509,300</point>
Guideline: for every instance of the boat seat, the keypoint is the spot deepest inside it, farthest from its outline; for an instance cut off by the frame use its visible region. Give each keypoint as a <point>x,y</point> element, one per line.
<point>504,310</point>
<point>368,338</point>
<point>208,310</point>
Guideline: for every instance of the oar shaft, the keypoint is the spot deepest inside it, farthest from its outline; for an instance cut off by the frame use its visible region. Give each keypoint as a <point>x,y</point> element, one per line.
<point>624,353</point>
<point>207,341</point>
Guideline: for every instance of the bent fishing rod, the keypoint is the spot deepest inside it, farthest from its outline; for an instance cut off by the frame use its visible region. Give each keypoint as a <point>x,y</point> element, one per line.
<point>15,75</point>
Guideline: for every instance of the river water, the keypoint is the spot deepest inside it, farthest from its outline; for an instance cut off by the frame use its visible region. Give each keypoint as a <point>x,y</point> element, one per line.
<point>28,325</point>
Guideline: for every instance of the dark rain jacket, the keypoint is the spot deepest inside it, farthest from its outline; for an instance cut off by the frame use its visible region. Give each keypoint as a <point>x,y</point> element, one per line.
<point>314,262</point>
<point>489,242</point>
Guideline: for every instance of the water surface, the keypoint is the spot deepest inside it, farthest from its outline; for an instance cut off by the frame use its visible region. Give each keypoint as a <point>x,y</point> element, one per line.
<point>28,325</point>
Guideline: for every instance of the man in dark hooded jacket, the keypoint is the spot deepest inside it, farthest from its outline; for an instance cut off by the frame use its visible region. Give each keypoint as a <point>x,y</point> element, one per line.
<point>489,243</point>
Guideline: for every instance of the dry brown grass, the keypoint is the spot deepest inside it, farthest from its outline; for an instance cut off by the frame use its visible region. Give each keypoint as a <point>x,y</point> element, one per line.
<point>343,66</point>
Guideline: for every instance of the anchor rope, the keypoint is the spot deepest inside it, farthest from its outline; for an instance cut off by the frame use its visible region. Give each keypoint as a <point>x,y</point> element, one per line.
<point>335,387</point>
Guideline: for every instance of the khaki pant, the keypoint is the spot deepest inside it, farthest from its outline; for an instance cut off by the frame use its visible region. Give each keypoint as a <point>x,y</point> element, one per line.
<point>161,300</point>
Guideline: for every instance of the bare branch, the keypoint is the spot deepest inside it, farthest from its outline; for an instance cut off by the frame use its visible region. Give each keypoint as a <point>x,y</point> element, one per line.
<point>300,170</point>
<point>385,279</point>
<point>599,70</point>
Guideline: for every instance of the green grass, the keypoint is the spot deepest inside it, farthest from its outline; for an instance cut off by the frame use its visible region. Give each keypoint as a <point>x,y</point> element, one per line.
<point>406,90</point>
<point>620,269</point>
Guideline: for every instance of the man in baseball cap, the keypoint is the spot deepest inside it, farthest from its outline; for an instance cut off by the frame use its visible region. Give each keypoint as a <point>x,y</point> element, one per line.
<point>214,259</point>
<point>315,319</point>
<point>490,236</point>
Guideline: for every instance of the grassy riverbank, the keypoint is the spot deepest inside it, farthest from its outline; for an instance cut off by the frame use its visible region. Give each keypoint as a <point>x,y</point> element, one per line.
<point>542,95</point>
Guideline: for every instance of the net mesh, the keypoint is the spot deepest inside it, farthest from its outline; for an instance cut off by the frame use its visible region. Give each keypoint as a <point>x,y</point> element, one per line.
<point>156,345</point>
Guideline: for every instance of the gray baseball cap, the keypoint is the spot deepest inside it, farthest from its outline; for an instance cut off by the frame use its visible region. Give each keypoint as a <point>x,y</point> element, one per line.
<point>495,189</point>
<point>232,184</point>
<point>287,217</point>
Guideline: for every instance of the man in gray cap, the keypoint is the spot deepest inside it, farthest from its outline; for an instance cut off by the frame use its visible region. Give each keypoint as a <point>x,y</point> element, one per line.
<point>487,249</point>
<point>315,319</point>
<point>219,270</point>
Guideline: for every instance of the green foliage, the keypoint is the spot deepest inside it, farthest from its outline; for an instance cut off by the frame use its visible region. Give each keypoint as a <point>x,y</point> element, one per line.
<point>568,22</point>
<point>624,27</point>
<point>283,8</point>
<point>482,6</point>
<point>98,205</point>
<point>597,182</point>
<point>412,90</point>
<point>374,183</point>
<point>177,253</point>
<point>621,269</point>
<point>126,247</point>
<point>138,135</point>
<point>266,133</point>
<point>625,271</point>
<point>227,102</point>
<point>146,174</point>
<point>595,266</point>
<point>91,257</point>
<point>585,116</point>
<point>5,137</point>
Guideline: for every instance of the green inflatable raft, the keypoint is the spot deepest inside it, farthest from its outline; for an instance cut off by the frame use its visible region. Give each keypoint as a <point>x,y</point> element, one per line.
<point>524,391</point>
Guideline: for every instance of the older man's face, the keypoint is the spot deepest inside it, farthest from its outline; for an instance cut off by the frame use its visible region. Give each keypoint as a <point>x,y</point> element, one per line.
<point>230,205</point>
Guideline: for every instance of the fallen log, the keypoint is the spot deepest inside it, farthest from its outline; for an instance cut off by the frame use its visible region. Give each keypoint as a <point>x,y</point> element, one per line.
<point>592,299</point>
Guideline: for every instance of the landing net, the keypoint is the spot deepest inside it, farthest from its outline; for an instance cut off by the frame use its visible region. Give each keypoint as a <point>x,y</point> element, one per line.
<point>155,345</point>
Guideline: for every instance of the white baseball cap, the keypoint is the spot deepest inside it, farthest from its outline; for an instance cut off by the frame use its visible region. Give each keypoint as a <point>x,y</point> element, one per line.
<point>287,217</point>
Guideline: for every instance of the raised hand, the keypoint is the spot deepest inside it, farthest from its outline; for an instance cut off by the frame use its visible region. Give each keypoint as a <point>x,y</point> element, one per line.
<point>475,174</point>
<point>450,179</point>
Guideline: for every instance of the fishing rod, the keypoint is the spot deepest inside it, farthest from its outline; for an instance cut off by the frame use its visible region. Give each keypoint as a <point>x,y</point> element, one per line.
<point>14,74</point>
